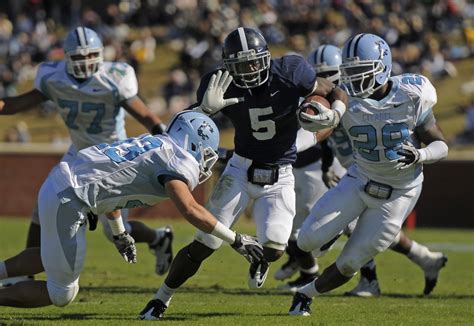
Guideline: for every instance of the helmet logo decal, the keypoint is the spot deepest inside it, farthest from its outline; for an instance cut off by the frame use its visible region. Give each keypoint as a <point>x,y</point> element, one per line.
<point>382,52</point>
<point>204,129</point>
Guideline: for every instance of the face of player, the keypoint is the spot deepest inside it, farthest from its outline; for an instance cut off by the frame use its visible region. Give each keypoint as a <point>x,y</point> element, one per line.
<point>84,63</point>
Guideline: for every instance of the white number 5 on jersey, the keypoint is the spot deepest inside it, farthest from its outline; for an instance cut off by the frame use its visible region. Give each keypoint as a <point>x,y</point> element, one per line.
<point>262,129</point>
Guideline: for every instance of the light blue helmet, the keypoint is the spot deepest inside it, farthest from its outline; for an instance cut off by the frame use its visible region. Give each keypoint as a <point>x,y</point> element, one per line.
<point>326,60</point>
<point>366,64</point>
<point>84,52</point>
<point>198,134</point>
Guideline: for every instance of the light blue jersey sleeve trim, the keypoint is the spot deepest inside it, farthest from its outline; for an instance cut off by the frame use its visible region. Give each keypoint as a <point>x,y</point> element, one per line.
<point>424,116</point>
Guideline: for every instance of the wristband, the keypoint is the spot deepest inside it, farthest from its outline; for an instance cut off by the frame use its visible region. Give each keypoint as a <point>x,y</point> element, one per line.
<point>223,232</point>
<point>116,225</point>
<point>339,107</point>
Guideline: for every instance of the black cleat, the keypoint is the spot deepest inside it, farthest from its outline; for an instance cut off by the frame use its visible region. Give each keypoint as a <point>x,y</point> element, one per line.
<point>302,280</point>
<point>154,310</point>
<point>301,305</point>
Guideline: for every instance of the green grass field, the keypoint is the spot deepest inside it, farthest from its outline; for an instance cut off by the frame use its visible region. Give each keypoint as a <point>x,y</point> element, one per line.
<point>113,292</point>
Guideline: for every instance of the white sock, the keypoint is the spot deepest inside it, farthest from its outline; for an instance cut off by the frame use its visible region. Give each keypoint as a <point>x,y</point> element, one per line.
<point>309,290</point>
<point>165,293</point>
<point>418,253</point>
<point>3,270</point>
<point>311,270</point>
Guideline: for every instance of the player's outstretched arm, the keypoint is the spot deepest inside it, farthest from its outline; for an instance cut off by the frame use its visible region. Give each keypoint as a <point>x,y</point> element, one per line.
<point>213,100</point>
<point>201,218</point>
<point>20,103</point>
<point>140,111</point>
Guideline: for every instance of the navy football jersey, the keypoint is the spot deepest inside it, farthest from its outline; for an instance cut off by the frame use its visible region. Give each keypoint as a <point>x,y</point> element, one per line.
<point>265,121</point>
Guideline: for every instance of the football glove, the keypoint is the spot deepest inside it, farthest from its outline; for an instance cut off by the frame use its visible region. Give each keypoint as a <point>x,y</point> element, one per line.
<point>126,247</point>
<point>330,178</point>
<point>248,247</point>
<point>326,118</point>
<point>409,156</point>
<point>213,100</point>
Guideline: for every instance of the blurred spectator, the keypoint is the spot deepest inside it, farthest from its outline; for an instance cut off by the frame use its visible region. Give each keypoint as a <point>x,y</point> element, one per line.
<point>467,135</point>
<point>177,90</point>
<point>18,133</point>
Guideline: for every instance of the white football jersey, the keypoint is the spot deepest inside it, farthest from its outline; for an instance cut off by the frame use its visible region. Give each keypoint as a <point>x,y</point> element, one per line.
<point>377,129</point>
<point>91,109</point>
<point>341,146</point>
<point>124,174</point>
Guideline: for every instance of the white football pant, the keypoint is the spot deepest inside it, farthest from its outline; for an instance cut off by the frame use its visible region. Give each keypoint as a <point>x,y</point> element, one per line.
<point>380,220</point>
<point>273,207</point>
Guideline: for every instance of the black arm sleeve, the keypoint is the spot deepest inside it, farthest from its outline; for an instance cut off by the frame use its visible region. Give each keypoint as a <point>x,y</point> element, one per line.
<point>327,157</point>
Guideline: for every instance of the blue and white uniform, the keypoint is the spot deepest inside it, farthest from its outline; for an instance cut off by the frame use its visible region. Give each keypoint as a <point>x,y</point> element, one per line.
<point>265,125</point>
<point>376,130</point>
<point>102,178</point>
<point>90,109</point>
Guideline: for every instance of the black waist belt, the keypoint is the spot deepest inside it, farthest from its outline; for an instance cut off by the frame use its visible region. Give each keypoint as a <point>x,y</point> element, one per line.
<point>308,156</point>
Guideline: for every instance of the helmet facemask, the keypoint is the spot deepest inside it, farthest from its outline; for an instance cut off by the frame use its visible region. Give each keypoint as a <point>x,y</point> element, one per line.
<point>249,69</point>
<point>331,73</point>
<point>358,77</point>
<point>88,64</point>
<point>206,162</point>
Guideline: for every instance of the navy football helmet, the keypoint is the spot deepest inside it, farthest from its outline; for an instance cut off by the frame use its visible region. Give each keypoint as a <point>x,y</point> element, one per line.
<point>366,64</point>
<point>84,52</point>
<point>247,58</point>
<point>198,134</point>
<point>326,60</point>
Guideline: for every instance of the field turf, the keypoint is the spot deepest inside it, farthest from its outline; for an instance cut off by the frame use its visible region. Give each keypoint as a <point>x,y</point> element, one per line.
<point>113,292</point>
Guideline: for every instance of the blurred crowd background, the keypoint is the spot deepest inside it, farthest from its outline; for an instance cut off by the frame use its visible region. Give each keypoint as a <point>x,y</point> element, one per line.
<point>425,36</point>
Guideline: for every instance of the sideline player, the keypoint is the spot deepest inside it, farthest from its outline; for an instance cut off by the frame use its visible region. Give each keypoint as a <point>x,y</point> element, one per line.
<point>387,119</point>
<point>261,102</point>
<point>90,95</point>
<point>134,172</point>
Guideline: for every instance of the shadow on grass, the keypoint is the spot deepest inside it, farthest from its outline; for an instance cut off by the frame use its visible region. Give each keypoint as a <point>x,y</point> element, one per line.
<point>262,292</point>
<point>62,317</point>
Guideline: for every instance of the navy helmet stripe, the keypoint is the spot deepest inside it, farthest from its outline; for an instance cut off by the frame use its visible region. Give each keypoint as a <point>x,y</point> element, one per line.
<point>357,44</point>
<point>321,60</point>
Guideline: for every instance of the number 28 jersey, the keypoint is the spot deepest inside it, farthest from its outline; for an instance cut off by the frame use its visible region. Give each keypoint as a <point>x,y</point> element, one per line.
<point>378,128</point>
<point>90,109</point>
<point>124,174</point>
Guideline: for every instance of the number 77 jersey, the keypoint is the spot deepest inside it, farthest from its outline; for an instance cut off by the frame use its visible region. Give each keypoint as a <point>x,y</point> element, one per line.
<point>91,109</point>
<point>378,128</point>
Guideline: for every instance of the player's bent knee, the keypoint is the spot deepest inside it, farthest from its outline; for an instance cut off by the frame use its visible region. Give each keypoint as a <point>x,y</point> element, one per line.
<point>272,254</point>
<point>303,242</point>
<point>62,296</point>
<point>349,267</point>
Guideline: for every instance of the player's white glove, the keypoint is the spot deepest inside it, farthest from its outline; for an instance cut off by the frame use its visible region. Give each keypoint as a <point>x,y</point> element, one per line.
<point>330,178</point>
<point>326,118</point>
<point>213,100</point>
<point>126,247</point>
<point>409,156</point>
<point>248,247</point>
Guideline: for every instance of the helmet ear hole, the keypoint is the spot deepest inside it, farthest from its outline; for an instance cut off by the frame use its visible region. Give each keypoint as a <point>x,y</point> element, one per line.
<point>193,147</point>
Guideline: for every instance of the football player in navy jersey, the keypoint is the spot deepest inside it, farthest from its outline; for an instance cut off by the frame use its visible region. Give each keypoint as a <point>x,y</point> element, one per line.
<point>260,96</point>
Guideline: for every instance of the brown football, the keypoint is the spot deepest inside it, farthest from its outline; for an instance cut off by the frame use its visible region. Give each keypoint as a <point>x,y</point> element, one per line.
<point>315,98</point>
